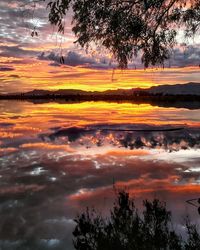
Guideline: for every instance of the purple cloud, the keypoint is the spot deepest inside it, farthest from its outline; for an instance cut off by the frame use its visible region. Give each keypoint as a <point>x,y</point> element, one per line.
<point>6,68</point>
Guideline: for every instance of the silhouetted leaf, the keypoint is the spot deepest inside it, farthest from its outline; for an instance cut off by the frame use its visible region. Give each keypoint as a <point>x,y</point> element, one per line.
<point>128,27</point>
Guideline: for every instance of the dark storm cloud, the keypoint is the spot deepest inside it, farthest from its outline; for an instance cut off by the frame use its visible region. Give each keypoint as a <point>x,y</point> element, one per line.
<point>72,58</point>
<point>185,56</point>
<point>189,56</point>
<point>181,56</point>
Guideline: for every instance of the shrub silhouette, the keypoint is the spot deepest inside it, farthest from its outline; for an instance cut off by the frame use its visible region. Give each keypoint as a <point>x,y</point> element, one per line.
<point>125,229</point>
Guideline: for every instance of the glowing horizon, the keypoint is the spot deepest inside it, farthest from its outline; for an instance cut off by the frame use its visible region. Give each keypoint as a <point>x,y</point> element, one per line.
<point>28,63</point>
<point>36,74</point>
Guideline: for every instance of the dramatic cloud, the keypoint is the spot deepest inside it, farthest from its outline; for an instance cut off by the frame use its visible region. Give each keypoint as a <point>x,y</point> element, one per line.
<point>18,18</point>
<point>53,165</point>
<point>6,69</point>
<point>185,56</point>
<point>16,51</point>
<point>181,57</point>
<point>92,71</point>
<point>73,58</point>
<point>62,182</point>
<point>131,137</point>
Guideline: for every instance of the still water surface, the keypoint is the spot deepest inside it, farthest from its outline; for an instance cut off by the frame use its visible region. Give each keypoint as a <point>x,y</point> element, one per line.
<point>56,159</point>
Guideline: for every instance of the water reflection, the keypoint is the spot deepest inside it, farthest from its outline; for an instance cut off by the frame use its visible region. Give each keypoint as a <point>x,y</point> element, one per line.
<point>129,136</point>
<point>57,159</point>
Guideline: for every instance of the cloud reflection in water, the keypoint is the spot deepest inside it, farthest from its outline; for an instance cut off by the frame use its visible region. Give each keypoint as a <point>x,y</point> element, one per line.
<point>50,171</point>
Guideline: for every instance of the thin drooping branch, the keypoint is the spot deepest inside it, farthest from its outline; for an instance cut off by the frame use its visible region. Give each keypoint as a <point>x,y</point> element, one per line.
<point>128,27</point>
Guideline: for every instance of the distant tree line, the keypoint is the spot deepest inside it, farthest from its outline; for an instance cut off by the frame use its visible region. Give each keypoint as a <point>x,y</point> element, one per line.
<point>136,97</point>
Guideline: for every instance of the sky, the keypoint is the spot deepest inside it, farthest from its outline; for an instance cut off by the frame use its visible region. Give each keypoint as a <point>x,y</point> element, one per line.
<point>28,63</point>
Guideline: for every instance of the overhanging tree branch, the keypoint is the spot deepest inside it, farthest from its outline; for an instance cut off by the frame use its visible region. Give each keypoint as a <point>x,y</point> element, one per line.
<point>128,27</point>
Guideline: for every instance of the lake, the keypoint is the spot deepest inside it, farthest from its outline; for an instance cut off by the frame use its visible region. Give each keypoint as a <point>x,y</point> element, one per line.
<point>56,159</point>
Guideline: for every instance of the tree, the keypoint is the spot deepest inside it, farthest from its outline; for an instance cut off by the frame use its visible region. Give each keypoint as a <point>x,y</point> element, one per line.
<point>128,27</point>
<point>125,229</point>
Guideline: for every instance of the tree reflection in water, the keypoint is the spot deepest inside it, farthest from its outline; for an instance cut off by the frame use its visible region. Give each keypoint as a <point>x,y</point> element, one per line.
<point>126,229</point>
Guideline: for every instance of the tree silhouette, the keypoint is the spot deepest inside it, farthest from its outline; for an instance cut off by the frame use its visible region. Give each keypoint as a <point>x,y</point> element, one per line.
<point>125,229</point>
<point>128,27</point>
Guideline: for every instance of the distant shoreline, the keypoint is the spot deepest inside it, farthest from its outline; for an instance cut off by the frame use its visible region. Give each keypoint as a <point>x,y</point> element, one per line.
<point>100,97</point>
<point>179,96</point>
<point>177,101</point>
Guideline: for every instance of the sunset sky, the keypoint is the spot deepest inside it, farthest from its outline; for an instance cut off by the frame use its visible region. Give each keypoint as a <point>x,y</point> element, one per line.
<point>28,63</point>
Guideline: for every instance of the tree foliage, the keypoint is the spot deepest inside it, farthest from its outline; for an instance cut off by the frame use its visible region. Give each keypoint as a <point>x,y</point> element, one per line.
<point>128,27</point>
<point>125,229</point>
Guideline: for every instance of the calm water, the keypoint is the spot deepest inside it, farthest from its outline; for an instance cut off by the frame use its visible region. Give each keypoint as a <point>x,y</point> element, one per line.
<point>56,159</point>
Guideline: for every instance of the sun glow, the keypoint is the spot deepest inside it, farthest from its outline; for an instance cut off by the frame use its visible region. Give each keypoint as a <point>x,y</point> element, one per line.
<point>48,76</point>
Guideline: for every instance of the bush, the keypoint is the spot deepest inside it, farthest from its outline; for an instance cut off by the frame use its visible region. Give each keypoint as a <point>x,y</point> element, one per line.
<point>125,229</point>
